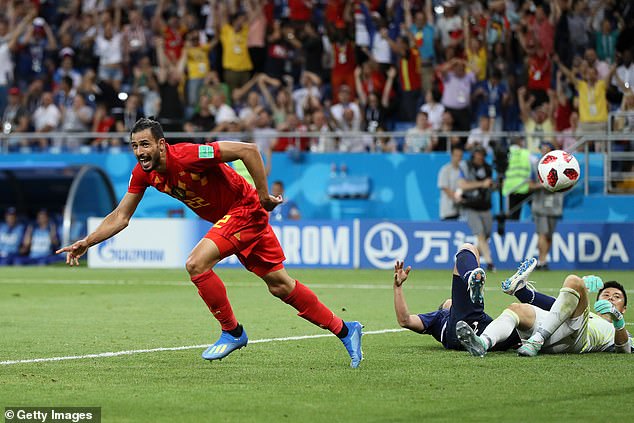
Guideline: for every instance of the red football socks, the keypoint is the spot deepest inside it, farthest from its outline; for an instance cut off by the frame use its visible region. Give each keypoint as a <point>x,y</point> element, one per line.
<point>313,310</point>
<point>213,292</point>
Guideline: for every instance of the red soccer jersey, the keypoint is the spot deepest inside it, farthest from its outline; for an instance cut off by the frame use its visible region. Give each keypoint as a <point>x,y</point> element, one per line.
<point>196,176</point>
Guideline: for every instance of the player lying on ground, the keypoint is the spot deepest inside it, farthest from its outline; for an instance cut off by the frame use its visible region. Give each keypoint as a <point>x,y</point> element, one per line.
<point>568,326</point>
<point>198,176</point>
<point>466,303</point>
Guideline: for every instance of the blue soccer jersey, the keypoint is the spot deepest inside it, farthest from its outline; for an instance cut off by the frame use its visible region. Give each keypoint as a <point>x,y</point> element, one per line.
<point>435,324</point>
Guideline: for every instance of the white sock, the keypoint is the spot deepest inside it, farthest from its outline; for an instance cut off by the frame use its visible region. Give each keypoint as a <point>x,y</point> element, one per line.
<point>562,309</point>
<point>500,328</point>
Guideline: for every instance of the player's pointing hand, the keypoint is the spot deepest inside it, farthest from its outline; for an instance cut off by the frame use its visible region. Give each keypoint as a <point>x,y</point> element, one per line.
<point>74,252</point>
<point>270,202</point>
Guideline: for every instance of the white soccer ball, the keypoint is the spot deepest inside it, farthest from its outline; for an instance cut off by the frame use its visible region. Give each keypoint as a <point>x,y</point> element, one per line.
<point>558,171</point>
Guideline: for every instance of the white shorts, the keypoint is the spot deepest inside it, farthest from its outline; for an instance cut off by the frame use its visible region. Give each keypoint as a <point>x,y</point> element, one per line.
<point>570,337</point>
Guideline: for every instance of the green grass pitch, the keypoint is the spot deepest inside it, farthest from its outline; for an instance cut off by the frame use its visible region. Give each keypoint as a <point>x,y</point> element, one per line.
<point>405,377</point>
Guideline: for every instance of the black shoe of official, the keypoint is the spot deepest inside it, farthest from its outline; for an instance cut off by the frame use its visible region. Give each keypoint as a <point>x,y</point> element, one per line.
<point>490,267</point>
<point>542,266</point>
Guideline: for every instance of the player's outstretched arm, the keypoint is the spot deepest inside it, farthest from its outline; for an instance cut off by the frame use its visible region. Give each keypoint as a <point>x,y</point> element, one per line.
<point>405,320</point>
<point>112,224</point>
<point>250,156</point>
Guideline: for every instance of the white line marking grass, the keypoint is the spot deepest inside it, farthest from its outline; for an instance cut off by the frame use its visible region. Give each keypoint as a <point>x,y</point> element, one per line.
<point>188,347</point>
<point>136,282</point>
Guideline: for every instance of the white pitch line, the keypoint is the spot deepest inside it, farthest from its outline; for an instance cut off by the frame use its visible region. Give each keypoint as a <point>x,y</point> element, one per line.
<point>188,347</point>
<point>136,282</point>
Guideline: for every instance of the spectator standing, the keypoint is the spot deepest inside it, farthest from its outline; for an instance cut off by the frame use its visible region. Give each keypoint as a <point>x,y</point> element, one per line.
<point>476,183</point>
<point>256,38</point>
<point>374,110</point>
<point>489,98</point>
<point>539,67</point>
<point>449,27</point>
<point>170,32</point>
<point>476,53</point>
<point>169,78</point>
<point>448,179</point>
<point>625,72</point>
<point>578,22</point>
<point>36,49</point>
<point>409,78</point>
<point>197,64</point>
<point>605,41</point>
<point>313,49</point>
<point>234,33</point>
<point>344,64</point>
<point>109,50</point>
<point>422,31</point>
<point>137,38</point>
<point>8,46</point>
<point>543,27</point>
<point>593,104</point>
<point>456,96</point>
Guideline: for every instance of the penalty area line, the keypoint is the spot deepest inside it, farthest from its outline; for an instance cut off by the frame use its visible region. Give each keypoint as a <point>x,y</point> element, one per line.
<point>187,347</point>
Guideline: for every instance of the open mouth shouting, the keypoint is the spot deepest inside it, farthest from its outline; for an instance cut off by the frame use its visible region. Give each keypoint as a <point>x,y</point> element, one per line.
<point>146,162</point>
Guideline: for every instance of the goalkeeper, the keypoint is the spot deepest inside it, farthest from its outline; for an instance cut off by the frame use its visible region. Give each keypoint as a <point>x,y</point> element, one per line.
<point>556,325</point>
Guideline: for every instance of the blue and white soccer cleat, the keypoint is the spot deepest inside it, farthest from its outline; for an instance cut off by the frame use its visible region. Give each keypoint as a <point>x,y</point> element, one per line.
<point>352,342</point>
<point>475,285</point>
<point>469,340</point>
<point>529,348</point>
<point>225,345</point>
<point>520,279</point>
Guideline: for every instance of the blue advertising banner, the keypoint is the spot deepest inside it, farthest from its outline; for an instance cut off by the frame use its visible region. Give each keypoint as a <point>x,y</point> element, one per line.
<point>374,244</point>
<point>432,245</point>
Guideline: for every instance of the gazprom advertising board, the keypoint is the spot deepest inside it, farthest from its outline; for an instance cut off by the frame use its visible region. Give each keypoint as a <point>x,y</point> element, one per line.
<point>165,243</point>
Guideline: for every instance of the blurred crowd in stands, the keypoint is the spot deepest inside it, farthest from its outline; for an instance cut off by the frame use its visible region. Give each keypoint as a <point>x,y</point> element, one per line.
<point>261,66</point>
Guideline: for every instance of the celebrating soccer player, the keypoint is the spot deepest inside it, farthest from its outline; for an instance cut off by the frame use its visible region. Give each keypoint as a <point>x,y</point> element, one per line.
<point>198,176</point>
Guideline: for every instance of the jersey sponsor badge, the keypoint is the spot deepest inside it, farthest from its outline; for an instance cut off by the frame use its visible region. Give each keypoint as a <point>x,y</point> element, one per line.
<point>179,193</point>
<point>205,152</point>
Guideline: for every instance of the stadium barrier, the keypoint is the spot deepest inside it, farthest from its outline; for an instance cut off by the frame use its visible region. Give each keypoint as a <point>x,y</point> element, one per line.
<point>373,244</point>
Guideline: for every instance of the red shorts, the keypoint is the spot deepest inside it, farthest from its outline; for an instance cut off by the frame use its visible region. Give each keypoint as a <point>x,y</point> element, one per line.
<point>246,233</point>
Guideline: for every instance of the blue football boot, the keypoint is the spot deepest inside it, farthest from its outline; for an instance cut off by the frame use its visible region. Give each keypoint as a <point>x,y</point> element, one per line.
<point>352,342</point>
<point>225,345</point>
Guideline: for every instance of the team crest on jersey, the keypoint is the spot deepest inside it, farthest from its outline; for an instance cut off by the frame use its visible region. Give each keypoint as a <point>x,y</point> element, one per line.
<point>179,193</point>
<point>205,152</point>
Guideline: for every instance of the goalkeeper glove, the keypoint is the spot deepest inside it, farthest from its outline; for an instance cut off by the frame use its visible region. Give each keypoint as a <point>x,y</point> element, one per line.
<point>606,307</point>
<point>593,283</point>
